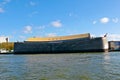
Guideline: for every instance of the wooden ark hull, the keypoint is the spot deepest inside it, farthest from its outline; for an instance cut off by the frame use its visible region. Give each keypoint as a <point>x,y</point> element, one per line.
<point>85,44</point>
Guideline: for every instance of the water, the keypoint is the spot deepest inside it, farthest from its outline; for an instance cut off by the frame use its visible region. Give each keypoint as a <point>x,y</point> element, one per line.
<point>75,66</point>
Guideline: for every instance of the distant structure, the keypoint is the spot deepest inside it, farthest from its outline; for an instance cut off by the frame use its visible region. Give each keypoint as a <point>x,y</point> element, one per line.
<point>114,45</point>
<point>3,39</point>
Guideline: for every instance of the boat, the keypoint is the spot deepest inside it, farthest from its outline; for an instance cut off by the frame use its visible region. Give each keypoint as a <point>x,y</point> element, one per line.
<point>62,44</point>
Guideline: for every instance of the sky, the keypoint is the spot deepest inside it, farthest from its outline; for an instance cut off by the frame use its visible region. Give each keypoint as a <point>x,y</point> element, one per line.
<point>21,19</point>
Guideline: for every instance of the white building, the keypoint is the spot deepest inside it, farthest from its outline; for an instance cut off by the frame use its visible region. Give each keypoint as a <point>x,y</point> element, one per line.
<point>3,39</point>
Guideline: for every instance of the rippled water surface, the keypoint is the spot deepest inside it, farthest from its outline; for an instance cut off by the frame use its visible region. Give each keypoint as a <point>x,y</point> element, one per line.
<point>73,66</point>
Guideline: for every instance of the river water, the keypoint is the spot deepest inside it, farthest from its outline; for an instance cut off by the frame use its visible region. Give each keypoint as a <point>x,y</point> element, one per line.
<point>73,66</point>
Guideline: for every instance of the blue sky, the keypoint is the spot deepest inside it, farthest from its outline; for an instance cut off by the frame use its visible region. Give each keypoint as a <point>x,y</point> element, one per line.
<point>21,19</point>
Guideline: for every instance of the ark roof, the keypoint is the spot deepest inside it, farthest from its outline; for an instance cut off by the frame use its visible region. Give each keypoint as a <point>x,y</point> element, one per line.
<point>40,39</point>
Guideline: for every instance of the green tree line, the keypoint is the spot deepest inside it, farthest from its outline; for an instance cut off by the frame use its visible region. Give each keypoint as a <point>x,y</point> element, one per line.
<point>7,46</point>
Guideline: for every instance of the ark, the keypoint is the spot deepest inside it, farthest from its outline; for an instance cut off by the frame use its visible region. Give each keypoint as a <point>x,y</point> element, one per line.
<point>62,44</point>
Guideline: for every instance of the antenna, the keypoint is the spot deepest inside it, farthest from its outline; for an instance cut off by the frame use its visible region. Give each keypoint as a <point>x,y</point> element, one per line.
<point>105,35</point>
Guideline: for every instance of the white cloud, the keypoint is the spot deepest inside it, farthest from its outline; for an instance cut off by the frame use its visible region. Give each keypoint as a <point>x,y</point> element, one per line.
<point>73,15</point>
<point>28,29</point>
<point>33,13</point>
<point>4,2</point>
<point>40,27</point>
<point>113,37</point>
<point>22,37</point>
<point>51,35</point>
<point>92,35</point>
<point>115,20</point>
<point>110,37</point>
<point>94,22</point>
<point>1,10</point>
<point>32,3</point>
<point>56,23</point>
<point>104,20</point>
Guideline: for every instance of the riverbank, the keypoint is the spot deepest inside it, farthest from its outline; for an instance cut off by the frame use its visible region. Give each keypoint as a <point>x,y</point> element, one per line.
<point>8,53</point>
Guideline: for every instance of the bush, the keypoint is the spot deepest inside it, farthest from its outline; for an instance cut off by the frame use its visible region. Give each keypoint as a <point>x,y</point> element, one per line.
<point>7,46</point>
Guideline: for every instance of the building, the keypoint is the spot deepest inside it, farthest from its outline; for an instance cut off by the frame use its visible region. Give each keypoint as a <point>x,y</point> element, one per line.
<point>114,45</point>
<point>3,39</point>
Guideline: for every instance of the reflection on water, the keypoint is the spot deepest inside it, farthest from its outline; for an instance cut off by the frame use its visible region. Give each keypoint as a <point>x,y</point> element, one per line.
<point>106,58</point>
<point>75,66</point>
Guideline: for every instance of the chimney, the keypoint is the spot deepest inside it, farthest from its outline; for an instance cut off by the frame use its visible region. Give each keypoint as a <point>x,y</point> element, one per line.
<point>7,40</point>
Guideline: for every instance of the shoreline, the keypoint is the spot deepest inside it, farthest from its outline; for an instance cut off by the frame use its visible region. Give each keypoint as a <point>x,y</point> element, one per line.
<point>8,53</point>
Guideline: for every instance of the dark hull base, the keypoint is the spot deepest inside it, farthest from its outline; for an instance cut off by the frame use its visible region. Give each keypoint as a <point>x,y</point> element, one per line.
<point>62,52</point>
<point>8,53</point>
<point>113,50</point>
